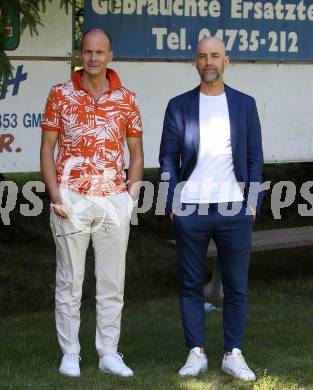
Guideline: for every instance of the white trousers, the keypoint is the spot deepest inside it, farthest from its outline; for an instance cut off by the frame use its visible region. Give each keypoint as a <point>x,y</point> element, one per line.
<point>106,221</point>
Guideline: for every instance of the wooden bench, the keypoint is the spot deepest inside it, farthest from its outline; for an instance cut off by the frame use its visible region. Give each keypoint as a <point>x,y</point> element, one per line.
<point>266,240</point>
<point>262,240</point>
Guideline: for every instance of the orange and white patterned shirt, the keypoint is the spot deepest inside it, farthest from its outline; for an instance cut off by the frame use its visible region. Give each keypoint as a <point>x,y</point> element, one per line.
<point>91,134</point>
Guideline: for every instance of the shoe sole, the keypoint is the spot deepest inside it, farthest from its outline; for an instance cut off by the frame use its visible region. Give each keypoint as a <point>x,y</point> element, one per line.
<point>237,377</point>
<point>106,371</point>
<point>69,375</point>
<point>195,376</point>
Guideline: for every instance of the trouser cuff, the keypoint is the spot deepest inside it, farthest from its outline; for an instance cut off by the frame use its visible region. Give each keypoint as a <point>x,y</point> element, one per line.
<point>74,348</point>
<point>109,350</point>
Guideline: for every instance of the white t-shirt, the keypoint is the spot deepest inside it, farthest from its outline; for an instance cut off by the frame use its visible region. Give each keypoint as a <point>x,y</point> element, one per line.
<point>213,179</point>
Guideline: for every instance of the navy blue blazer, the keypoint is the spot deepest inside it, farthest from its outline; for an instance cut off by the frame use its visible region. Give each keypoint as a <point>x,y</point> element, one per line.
<point>180,142</point>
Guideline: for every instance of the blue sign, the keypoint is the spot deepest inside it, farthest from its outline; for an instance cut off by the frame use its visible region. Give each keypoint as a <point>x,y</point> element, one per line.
<point>274,30</point>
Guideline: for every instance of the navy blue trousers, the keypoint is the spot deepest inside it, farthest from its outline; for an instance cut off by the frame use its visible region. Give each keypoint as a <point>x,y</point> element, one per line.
<point>232,236</point>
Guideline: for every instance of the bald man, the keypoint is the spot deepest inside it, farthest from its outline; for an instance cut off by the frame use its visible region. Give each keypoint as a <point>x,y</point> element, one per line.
<point>90,117</point>
<point>211,151</point>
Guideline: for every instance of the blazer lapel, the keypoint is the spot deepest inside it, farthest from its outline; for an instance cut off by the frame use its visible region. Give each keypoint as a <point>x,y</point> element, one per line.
<point>233,110</point>
<point>192,129</point>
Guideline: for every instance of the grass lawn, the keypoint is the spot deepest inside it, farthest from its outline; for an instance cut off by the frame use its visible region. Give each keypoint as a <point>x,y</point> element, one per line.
<point>279,340</point>
<point>279,347</point>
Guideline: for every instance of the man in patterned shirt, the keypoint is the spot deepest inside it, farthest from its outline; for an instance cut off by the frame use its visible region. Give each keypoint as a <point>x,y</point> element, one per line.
<point>90,117</point>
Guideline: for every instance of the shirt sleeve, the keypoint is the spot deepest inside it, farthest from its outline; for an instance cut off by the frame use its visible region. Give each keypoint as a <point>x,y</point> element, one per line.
<point>134,126</point>
<point>51,120</point>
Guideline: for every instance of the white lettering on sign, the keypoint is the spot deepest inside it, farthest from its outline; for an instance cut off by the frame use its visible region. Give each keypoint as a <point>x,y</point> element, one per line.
<point>171,40</point>
<point>241,39</point>
<point>187,8</point>
<point>241,9</point>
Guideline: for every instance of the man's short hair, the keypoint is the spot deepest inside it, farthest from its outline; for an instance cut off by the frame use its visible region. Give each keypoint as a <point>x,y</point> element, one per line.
<point>99,30</point>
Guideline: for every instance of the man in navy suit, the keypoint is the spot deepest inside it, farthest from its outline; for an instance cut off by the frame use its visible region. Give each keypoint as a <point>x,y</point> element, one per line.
<point>211,153</point>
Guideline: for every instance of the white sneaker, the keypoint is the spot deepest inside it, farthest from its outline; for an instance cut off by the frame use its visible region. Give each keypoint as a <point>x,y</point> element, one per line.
<point>196,363</point>
<point>70,365</point>
<point>236,366</point>
<point>114,364</point>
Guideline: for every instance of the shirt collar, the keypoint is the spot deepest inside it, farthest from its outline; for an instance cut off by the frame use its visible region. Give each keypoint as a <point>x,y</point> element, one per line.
<point>111,75</point>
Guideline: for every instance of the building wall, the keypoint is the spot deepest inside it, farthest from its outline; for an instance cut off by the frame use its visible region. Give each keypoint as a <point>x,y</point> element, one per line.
<point>283,92</point>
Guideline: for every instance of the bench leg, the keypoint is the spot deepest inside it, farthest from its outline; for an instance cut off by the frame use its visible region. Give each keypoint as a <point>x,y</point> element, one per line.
<point>213,291</point>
